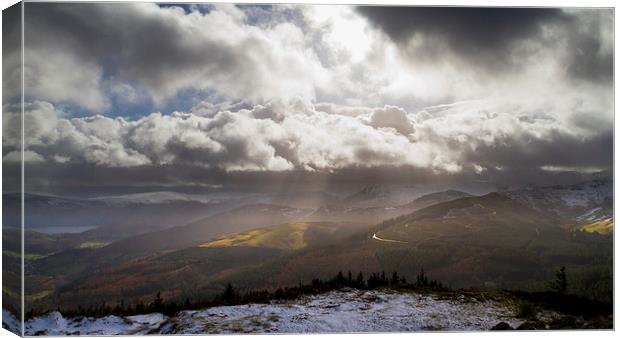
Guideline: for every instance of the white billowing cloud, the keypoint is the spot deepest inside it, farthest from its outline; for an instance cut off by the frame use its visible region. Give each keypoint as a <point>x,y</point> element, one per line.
<point>316,88</point>
<point>29,157</point>
<point>91,54</point>
<point>87,53</point>
<point>97,140</point>
<point>303,136</point>
<point>58,75</point>
<point>228,141</point>
<point>243,140</point>
<point>343,110</point>
<point>327,141</point>
<point>392,117</point>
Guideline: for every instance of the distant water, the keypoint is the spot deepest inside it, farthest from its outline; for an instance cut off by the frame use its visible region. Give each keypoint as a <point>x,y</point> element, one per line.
<point>63,229</point>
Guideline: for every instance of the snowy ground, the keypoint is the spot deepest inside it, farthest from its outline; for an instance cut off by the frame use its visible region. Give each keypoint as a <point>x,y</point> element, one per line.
<point>338,311</point>
<point>9,322</point>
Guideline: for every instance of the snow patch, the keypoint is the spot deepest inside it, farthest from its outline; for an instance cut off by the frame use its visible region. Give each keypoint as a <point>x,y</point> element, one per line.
<point>55,325</point>
<point>587,195</point>
<point>350,311</point>
<point>10,322</point>
<point>337,311</point>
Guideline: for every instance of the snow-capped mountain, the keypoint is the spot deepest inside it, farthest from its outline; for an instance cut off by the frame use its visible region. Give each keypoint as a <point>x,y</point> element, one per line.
<point>578,201</point>
<point>160,197</point>
<point>152,198</point>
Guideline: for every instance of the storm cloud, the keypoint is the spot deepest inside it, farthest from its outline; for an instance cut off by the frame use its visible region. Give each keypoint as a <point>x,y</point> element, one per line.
<point>501,38</point>
<point>311,93</point>
<point>468,30</point>
<point>87,51</point>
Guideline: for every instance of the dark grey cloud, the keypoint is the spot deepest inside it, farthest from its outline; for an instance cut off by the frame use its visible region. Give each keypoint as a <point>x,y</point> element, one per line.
<point>11,53</point>
<point>82,178</point>
<point>11,91</point>
<point>392,117</point>
<point>98,49</point>
<point>91,180</point>
<point>96,53</point>
<point>127,43</point>
<point>488,37</point>
<point>86,178</point>
<point>466,29</point>
<point>590,45</point>
<point>560,150</point>
<point>89,52</point>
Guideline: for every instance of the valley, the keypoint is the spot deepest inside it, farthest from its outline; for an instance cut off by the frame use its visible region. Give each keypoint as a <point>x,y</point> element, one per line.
<point>231,168</point>
<point>513,240</point>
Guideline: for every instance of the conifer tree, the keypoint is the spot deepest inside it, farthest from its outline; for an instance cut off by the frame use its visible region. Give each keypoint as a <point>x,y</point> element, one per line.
<point>229,295</point>
<point>394,280</point>
<point>360,280</point>
<point>560,285</point>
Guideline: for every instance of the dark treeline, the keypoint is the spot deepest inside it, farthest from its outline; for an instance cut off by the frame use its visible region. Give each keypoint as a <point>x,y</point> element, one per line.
<point>557,298</point>
<point>233,296</point>
<point>566,303</point>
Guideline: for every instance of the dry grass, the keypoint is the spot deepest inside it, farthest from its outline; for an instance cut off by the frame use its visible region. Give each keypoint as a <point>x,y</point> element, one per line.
<point>288,236</point>
<point>603,227</point>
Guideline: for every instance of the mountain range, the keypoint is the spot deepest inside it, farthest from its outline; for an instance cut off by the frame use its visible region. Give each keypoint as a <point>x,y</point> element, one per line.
<point>509,239</point>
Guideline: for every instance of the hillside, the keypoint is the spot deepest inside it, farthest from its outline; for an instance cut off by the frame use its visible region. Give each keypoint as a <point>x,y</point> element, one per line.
<point>185,272</point>
<point>380,195</point>
<point>603,226</point>
<point>434,198</point>
<point>288,236</point>
<point>384,205</point>
<point>112,218</point>
<point>57,271</point>
<point>568,202</point>
<point>491,241</point>
<point>240,219</point>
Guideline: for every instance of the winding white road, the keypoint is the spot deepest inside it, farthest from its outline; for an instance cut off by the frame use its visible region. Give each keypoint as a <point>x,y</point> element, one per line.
<point>374,236</point>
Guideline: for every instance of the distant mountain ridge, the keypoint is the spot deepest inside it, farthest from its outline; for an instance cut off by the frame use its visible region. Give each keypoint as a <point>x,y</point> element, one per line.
<point>569,201</point>
<point>499,239</point>
<point>380,195</point>
<point>434,198</point>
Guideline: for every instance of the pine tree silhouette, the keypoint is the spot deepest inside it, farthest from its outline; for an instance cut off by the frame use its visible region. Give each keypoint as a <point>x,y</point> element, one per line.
<point>560,285</point>
<point>229,295</point>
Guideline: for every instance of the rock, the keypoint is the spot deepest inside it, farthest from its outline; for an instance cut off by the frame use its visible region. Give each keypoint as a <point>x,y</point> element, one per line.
<point>569,322</point>
<point>531,325</point>
<point>502,326</point>
<point>564,323</point>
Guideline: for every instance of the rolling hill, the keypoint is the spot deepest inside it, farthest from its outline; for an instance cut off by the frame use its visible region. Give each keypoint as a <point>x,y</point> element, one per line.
<point>113,217</point>
<point>288,236</point>
<point>491,241</point>
<point>344,211</point>
<point>87,260</point>
<point>499,240</point>
<point>186,272</point>
<point>434,198</point>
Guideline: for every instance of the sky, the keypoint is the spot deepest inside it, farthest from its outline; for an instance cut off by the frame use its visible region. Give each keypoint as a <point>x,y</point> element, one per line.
<point>143,94</point>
